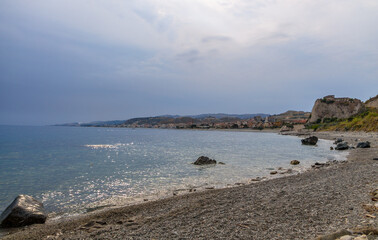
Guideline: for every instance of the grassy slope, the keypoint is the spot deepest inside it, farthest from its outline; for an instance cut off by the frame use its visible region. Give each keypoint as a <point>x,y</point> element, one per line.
<point>366,121</point>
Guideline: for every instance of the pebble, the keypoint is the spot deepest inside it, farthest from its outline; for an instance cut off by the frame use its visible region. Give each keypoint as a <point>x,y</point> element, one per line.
<point>362,237</point>
<point>346,237</point>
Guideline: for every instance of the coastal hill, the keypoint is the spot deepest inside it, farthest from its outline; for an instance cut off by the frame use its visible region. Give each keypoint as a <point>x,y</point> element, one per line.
<point>206,121</point>
<point>344,114</point>
<point>330,107</point>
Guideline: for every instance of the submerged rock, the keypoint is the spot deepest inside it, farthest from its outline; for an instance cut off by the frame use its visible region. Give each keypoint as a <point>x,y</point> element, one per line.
<point>342,146</point>
<point>295,162</point>
<point>363,144</point>
<point>310,140</point>
<point>204,161</point>
<point>24,210</point>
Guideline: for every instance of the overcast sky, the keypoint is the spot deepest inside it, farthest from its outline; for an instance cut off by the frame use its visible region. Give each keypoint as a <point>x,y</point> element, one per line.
<point>77,60</point>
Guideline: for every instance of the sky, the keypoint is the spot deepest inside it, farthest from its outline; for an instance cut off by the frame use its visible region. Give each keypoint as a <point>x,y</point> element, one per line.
<point>84,60</point>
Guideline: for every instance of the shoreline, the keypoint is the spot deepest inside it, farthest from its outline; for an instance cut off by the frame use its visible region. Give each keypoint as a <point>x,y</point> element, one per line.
<point>70,229</point>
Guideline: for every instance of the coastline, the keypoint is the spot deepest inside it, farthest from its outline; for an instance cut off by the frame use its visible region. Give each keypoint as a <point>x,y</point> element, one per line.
<point>241,211</point>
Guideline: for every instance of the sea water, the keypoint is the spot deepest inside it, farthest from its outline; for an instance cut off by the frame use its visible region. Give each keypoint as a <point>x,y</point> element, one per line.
<point>75,169</point>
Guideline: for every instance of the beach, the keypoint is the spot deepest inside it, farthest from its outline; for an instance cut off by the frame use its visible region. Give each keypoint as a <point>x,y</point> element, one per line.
<point>317,202</point>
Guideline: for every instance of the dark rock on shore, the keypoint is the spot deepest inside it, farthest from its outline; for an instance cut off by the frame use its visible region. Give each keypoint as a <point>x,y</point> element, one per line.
<point>295,162</point>
<point>204,161</point>
<point>24,210</point>
<point>363,144</point>
<point>342,146</point>
<point>310,140</point>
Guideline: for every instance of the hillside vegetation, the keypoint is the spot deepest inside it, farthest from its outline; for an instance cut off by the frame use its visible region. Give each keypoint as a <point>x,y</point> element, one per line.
<point>366,121</point>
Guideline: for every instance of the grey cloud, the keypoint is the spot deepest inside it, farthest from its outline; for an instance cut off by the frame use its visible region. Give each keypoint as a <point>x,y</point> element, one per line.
<point>216,39</point>
<point>190,56</point>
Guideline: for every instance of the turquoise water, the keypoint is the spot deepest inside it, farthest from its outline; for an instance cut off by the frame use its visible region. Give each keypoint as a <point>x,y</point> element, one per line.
<point>72,169</point>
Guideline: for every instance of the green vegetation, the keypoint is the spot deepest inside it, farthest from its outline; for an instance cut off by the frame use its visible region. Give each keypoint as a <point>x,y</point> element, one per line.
<point>366,121</point>
<point>327,101</point>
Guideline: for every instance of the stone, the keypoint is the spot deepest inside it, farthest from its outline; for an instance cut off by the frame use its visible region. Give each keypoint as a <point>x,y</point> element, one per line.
<point>339,140</point>
<point>221,163</point>
<point>346,237</point>
<point>295,162</point>
<point>342,146</point>
<point>204,161</point>
<point>375,158</point>
<point>363,144</point>
<point>24,210</point>
<point>273,172</point>
<point>331,148</point>
<point>310,140</point>
<point>335,235</point>
<point>362,237</point>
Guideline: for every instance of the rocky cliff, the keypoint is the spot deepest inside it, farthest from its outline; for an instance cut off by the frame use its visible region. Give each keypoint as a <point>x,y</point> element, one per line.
<point>330,107</point>
<point>372,102</point>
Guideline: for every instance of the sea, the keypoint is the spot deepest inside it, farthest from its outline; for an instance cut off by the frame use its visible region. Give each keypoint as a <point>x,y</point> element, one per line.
<point>74,170</point>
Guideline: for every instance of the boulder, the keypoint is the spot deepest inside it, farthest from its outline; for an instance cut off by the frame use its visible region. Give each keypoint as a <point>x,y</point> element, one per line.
<point>310,140</point>
<point>339,140</point>
<point>295,162</point>
<point>363,144</point>
<point>342,146</point>
<point>24,210</point>
<point>204,161</point>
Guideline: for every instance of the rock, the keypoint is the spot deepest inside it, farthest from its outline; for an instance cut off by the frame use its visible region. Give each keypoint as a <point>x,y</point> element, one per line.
<point>363,144</point>
<point>24,210</point>
<point>339,140</point>
<point>330,108</point>
<point>375,158</point>
<point>331,148</point>
<point>346,237</point>
<point>335,235</point>
<point>310,140</point>
<point>363,237</point>
<point>273,172</point>
<point>372,102</point>
<point>342,146</point>
<point>221,163</point>
<point>204,161</point>
<point>295,162</point>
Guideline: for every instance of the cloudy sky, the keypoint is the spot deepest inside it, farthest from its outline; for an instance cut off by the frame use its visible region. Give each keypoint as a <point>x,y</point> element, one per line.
<point>82,60</point>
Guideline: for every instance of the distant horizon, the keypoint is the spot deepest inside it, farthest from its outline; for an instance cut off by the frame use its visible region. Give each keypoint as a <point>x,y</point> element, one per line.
<point>147,116</point>
<point>70,61</point>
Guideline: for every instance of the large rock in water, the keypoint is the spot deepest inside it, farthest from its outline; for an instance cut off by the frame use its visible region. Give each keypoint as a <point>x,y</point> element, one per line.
<point>310,140</point>
<point>204,161</point>
<point>330,107</point>
<point>24,210</point>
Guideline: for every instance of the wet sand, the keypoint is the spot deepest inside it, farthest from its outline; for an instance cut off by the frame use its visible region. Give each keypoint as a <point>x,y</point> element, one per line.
<point>303,206</point>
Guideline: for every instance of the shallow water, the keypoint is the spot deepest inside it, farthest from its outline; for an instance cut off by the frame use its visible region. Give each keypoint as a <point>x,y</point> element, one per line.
<point>75,169</point>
